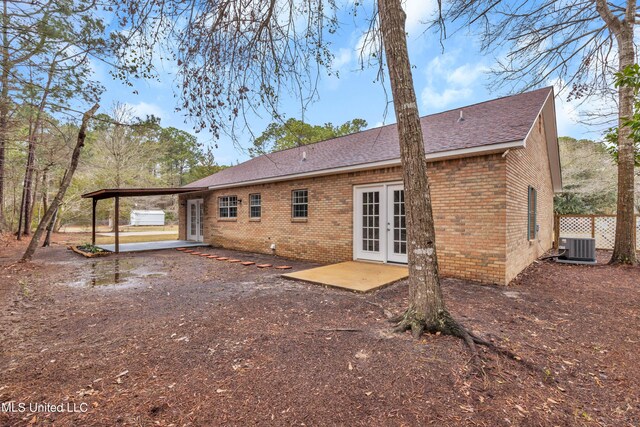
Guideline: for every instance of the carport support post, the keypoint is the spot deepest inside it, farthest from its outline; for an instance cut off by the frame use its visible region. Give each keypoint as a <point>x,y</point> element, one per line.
<point>93,222</point>
<point>117,225</point>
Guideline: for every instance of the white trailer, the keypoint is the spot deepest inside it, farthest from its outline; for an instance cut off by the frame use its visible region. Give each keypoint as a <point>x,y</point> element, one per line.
<point>139,217</point>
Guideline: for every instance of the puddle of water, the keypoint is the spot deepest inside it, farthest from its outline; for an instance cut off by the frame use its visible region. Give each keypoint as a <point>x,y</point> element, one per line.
<point>116,272</point>
<point>512,294</point>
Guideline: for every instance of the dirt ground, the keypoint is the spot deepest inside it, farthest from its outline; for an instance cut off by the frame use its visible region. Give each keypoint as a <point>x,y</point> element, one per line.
<point>187,341</point>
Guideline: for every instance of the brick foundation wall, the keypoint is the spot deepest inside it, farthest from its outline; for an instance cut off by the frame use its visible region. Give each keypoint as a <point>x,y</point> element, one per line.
<point>528,167</point>
<point>469,197</point>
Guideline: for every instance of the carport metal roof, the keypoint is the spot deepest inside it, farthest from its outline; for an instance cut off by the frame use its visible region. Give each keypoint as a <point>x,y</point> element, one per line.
<point>108,193</point>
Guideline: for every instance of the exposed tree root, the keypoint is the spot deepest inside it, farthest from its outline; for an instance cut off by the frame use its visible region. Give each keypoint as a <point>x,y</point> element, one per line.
<point>445,324</point>
<point>622,260</point>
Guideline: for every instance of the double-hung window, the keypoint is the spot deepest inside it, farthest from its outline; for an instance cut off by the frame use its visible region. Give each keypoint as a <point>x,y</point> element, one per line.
<point>299,204</point>
<point>255,206</point>
<point>228,207</point>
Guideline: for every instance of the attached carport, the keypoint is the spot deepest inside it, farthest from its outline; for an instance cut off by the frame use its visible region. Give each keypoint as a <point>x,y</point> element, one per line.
<point>117,193</point>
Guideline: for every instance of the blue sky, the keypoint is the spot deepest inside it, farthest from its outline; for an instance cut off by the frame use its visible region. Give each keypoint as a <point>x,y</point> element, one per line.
<point>443,80</point>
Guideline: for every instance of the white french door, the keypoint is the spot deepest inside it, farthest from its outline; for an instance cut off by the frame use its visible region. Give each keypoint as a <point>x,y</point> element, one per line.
<point>195,220</point>
<point>368,223</point>
<point>380,231</point>
<point>396,224</point>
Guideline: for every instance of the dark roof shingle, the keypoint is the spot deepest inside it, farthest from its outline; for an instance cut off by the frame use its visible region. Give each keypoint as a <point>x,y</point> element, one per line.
<point>498,121</point>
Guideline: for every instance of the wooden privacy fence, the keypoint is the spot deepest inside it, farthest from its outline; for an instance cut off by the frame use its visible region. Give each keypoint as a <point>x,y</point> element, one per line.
<point>600,227</point>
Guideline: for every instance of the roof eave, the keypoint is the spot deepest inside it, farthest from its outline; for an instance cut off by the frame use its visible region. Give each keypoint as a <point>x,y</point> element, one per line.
<point>443,155</point>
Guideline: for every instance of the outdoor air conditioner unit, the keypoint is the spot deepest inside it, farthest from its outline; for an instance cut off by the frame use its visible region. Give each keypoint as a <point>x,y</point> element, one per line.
<point>577,251</point>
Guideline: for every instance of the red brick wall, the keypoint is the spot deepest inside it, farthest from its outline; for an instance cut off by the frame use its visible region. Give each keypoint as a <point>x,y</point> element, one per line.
<point>469,197</point>
<point>528,167</point>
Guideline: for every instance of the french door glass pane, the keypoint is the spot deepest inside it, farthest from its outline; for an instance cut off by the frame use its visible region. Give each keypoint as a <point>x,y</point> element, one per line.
<point>399,223</point>
<point>371,221</point>
<point>192,215</point>
<point>201,218</point>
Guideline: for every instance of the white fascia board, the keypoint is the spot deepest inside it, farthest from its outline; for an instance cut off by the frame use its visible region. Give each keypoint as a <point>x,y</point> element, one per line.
<point>553,147</point>
<point>548,112</point>
<point>475,151</point>
<point>443,155</point>
<point>533,125</point>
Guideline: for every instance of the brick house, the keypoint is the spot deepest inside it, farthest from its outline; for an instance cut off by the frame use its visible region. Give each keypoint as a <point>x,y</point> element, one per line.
<point>493,168</point>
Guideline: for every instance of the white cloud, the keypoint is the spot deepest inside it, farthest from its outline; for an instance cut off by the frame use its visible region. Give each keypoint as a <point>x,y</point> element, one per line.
<point>367,45</point>
<point>566,117</point>
<point>440,65</point>
<point>566,114</point>
<point>342,59</point>
<point>433,99</point>
<point>143,109</point>
<point>340,68</point>
<point>418,11</point>
<point>467,74</point>
<point>449,83</point>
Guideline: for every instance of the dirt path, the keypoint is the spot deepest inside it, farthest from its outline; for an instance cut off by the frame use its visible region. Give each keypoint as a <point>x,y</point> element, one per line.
<point>183,340</point>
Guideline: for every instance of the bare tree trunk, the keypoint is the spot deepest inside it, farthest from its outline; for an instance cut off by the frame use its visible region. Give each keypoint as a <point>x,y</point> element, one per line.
<point>4,109</point>
<point>47,239</point>
<point>45,188</point>
<point>66,181</point>
<point>24,228</point>
<point>427,309</point>
<point>14,212</point>
<point>33,201</point>
<point>624,248</point>
<point>20,213</point>
<point>31,157</point>
<point>57,225</point>
<point>23,202</point>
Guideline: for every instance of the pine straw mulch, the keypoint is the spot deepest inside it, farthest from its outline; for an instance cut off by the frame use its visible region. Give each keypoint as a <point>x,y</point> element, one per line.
<point>212,343</point>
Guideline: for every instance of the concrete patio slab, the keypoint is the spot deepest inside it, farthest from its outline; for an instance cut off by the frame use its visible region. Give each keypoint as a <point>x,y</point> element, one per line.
<point>352,275</point>
<point>153,246</point>
<point>140,233</point>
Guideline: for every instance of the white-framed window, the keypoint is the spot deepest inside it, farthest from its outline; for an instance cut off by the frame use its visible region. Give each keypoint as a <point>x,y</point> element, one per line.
<point>255,205</point>
<point>299,203</point>
<point>532,213</point>
<point>228,207</point>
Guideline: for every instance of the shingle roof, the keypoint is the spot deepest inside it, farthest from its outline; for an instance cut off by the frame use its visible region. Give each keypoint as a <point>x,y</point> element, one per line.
<point>498,121</point>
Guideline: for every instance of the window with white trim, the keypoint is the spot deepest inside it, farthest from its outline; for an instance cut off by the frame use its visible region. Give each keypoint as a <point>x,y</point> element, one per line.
<point>228,207</point>
<point>299,204</point>
<point>532,213</point>
<point>255,206</point>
